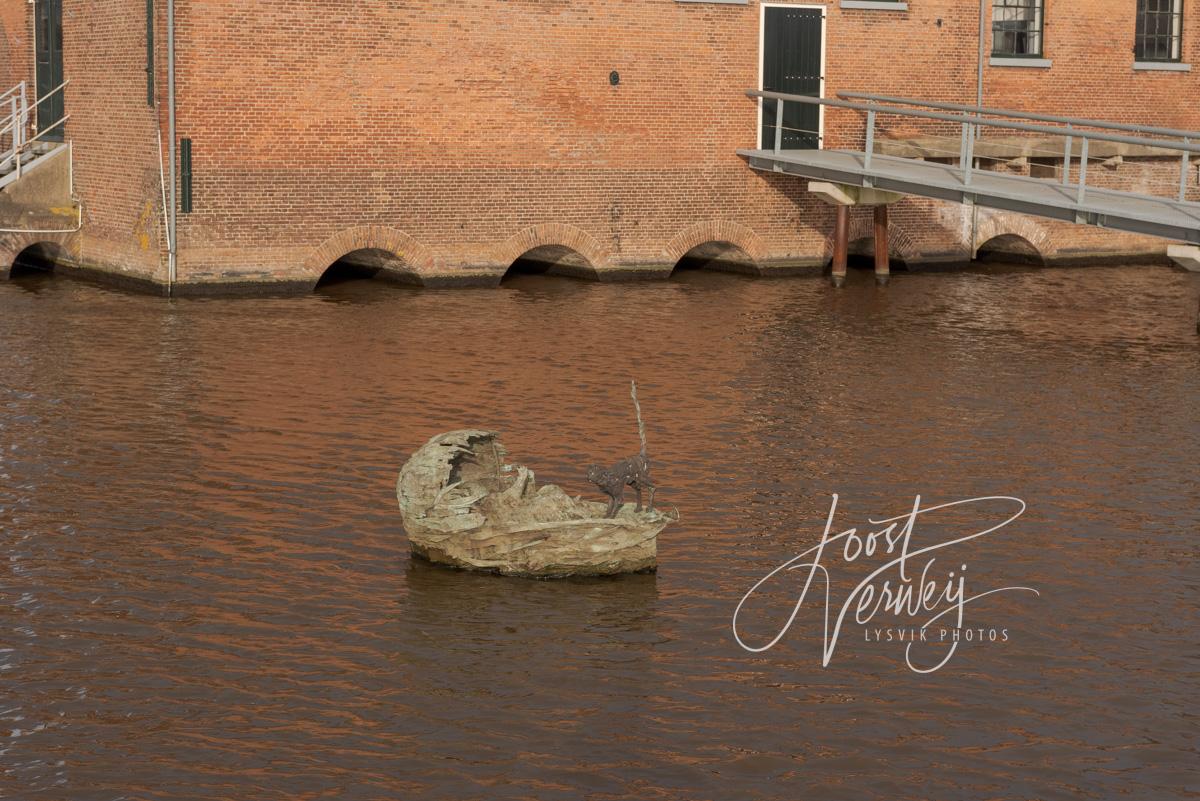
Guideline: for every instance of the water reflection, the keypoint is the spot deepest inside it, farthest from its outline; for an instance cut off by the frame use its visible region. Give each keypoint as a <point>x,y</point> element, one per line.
<point>206,592</point>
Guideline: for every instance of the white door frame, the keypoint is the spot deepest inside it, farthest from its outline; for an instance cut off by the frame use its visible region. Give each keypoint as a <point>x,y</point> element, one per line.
<point>762,33</point>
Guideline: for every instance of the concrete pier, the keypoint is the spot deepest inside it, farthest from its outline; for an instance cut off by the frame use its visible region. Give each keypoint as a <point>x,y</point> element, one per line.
<point>883,267</point>
<point>841,245</point>
<point>842,197</point>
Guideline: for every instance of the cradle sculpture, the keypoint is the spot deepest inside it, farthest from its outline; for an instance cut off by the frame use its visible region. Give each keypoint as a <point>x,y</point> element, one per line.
<point>462,505</point>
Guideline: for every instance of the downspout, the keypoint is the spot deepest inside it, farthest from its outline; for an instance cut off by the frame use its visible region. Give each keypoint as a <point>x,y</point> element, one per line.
<point>982,34</point>
<point>978,105</point>
<point>172,241</point>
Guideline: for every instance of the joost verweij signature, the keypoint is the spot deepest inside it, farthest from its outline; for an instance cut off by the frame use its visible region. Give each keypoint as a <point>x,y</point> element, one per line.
<point>881,590</point>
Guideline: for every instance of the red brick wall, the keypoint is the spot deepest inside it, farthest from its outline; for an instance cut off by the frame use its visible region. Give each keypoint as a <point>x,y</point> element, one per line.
<point>1091,46</point>
<point>459,134</point>
<point>16,48</point>
<point>115,137</point>
<point>111,128</point>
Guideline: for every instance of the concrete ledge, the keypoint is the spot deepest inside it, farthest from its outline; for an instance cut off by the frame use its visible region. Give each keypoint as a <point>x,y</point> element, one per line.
<point>635,272</point>
<point>1161,66</point>
<point>239,289</point>
<point>131,282</point>
<point>874,5</point>
<point>1066,258</point>
<point>1016,61</point>
<point>778,268</point>
<point>1185,256</point>
<point>789,268</point>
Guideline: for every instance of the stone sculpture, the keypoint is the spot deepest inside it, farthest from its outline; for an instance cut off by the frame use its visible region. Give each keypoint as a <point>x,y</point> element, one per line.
<point>462,505</point>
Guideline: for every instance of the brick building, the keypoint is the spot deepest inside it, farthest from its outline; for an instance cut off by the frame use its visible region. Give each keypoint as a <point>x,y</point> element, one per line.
<point>442,143</point>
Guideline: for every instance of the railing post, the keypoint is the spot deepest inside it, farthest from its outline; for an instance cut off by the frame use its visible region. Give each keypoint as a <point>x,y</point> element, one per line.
<point>1066,179</point>
<point>969,154</point>
<point>16,151</point>
<point>1183,171</point>
<point>16,125</point>
<point>1083,157</point>
<point>778,124</point>
<point>870,139</point>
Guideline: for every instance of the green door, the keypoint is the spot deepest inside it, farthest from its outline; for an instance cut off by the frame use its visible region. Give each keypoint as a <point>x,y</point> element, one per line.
<point>49,66</point>
<point>792,64</point>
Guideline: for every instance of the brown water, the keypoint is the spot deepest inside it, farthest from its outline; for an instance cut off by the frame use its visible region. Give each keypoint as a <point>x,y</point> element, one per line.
<point>205,590</point>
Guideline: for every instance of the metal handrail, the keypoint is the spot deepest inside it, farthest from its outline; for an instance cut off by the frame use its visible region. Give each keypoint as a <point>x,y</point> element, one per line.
<point>53,91</point>
<point>47,96</point>
<point>1023,115</point>
<point>14,122</point>
<point>972,119</point>
<point>971,123</point>
<point>46,130</point>
<point>38,102</point>
<point>18,119</point>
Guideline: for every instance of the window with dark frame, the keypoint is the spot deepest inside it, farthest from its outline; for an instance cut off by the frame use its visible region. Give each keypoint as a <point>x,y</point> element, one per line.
<point>1159,33</point>
<point>185,176</point>
<point>1017,28</point>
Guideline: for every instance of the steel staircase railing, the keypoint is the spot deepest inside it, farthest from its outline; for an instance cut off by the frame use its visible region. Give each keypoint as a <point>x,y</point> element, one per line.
<point>16,137</point>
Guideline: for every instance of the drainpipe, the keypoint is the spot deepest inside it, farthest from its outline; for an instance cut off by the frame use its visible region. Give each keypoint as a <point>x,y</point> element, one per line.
<point>171,233</point>
<point>982,39</point>
<point>979,105</point>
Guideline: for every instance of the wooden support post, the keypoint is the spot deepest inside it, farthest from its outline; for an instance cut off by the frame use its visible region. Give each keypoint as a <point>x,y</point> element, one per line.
<point>883,268</point>
<point>841,245</point>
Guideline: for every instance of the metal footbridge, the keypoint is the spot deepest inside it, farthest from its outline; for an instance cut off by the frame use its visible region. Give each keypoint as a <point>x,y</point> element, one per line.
<point>948,163</point>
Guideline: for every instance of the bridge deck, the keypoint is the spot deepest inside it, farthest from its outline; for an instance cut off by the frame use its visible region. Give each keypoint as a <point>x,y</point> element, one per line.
<point>1143,214</point>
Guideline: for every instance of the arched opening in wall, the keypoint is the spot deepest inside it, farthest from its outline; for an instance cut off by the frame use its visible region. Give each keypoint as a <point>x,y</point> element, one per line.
<point>551,260</point>
<point>367,263</point>
<point>860,255</point>
<point>1009,249</point>
<point>723,257</point>
<point>38,259</point>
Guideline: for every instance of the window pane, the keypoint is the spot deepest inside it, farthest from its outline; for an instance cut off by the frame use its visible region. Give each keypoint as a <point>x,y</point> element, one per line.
<point>1158,31</point>
<point>43,29</point>
<point>1017,27</point>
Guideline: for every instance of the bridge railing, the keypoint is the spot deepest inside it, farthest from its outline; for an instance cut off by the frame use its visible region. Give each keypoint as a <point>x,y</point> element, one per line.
<point>972,120</point>
<point>1024,115</point>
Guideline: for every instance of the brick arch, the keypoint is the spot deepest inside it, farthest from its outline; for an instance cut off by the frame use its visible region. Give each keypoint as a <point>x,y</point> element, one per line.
<point>999,224</point>
<point>715,231</point>
<point>12,244</point>
<point>900,244</point>
<point>546,234</point>
<point>410,252</point>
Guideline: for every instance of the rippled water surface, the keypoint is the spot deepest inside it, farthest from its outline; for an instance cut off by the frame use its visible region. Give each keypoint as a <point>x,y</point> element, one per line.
<point>205,590</point>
